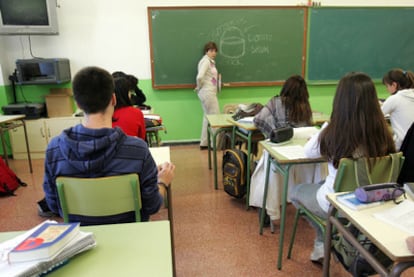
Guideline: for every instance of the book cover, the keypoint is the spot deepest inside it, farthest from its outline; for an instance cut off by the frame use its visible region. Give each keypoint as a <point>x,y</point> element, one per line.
<point>350,200</point>
<point>83,241</point>
<point>44,243</point>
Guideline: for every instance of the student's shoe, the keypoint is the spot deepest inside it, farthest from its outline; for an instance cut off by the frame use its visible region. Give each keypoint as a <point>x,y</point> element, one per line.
<point>202,147</point>
<point>267,219</point>
<point>317,254</point>
<point>43,210</point>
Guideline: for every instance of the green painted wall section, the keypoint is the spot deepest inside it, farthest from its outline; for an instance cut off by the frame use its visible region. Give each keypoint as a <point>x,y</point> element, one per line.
<point>181,110</point>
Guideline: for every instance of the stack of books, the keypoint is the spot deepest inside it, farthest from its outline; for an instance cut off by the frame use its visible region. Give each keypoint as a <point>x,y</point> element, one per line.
<point>44,248</point>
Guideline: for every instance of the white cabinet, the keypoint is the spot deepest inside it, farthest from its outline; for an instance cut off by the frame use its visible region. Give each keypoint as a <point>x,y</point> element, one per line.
<point>39,133</point>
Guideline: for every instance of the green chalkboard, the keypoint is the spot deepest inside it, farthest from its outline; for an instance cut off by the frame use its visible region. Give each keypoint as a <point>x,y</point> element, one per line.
<point>257,45</point>
<point>371,40</point>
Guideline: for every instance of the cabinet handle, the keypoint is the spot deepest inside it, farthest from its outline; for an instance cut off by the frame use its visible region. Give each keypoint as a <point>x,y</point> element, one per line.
<point>48,132</point>
<point>42,133</point>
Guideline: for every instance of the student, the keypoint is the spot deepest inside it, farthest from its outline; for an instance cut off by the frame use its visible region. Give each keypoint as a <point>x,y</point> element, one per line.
<point>357,128</point>
<point>400,105</point>
<point>128,118</point>
<point>207,82</point>
<point>137,95</point>
<point>292,108</point>
<point>95,149</point>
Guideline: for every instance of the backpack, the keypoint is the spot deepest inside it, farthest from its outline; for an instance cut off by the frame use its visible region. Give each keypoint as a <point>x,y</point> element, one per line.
<point>234,172</point>
<point>247,110</point>
<point>351,259</point>
<point>9,182</point>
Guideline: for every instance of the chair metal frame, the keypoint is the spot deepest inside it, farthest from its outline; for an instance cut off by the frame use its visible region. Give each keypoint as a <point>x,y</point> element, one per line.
<point>346,171</point>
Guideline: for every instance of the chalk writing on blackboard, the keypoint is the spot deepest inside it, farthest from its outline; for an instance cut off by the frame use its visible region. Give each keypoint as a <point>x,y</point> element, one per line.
<point>238,38</point>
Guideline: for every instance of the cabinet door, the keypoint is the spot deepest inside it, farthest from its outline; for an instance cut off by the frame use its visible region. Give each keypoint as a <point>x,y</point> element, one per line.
<point>36,135</point>
<point>55,126</point>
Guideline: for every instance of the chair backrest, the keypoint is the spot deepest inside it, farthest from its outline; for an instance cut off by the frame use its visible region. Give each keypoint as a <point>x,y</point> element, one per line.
<point>102,196</point>
<point>355,172</point>
<point>407,147</point>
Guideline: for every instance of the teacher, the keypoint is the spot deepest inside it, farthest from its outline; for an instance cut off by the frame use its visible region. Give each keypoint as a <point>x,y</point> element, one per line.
<point>207,80</point>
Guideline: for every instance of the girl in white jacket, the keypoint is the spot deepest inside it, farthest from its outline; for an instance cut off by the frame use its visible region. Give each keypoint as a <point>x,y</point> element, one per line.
<point>400,105</point>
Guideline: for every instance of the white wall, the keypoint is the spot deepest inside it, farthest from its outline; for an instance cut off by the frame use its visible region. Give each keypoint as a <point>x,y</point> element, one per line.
<point>114,34</point>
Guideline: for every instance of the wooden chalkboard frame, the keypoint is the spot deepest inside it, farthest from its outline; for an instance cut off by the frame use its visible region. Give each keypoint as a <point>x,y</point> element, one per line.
<point>302,66</point>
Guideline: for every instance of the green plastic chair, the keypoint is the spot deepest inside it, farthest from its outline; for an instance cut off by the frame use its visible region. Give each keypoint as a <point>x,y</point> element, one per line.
<point>102,196</point>
<point>351,174</point>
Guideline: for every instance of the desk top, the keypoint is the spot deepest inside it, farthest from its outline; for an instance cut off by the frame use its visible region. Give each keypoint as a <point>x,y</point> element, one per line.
<point>130,249</point>
<point>219,120</point>
<point>8,118</point>
<point>320,118</point>
<point>285,160</point>
<point>389,239</point>
<point>249,126</point>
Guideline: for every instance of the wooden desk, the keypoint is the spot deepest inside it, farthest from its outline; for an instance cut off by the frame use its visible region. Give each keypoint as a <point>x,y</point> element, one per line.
<point>283,165</point>
<point>153,138</point>
<point>389,239</point>
<point>130,249</point>
<point>161,155</point>
<point>217,123</point>
<point>9,122</point>
<point>319,118</point>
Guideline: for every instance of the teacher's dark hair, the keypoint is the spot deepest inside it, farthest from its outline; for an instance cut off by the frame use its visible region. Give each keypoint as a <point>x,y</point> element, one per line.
<point>210,46</point>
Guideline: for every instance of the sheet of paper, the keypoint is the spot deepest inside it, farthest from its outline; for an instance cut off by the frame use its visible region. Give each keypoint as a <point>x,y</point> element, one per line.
<point>248,119</point>
<point>304,132</point>
<point>400,216</point>
<point>160,154</point>
<point>292,152</point>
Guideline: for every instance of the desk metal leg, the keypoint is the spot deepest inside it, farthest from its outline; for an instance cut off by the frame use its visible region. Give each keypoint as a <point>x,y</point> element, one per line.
<point>328,242</point>
<point>263,211</point>
<point>285,173</point>
<point>3,144</point>
<point>209,133</point>
<point>215,158</point>
<point>170,218</point>
<point>249,152</point>
<point>399,268</point>
<point>27,146</point>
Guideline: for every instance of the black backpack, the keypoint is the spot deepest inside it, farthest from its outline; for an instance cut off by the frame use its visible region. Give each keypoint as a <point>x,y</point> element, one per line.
<point>234,172</point>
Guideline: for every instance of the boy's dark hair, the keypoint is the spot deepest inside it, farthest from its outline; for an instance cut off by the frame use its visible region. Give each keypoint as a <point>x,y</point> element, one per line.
<point>92,89</point>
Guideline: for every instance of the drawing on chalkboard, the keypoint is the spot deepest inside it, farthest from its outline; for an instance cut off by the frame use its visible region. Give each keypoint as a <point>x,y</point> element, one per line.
<point>238,38</point>
<point>232,43</point>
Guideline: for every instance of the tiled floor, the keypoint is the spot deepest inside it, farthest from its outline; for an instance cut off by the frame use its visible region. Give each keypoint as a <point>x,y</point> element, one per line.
<point>214,234</point>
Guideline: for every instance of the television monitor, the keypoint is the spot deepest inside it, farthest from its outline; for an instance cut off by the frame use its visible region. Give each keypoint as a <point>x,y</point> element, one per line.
<point>28,17</point>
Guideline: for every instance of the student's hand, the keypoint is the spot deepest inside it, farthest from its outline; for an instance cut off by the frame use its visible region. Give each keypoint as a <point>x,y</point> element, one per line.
<point>410,243</point>
<point>166,173</point>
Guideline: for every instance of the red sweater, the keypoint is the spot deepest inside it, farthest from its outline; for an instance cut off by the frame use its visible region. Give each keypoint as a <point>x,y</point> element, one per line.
<point>131,121</point>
